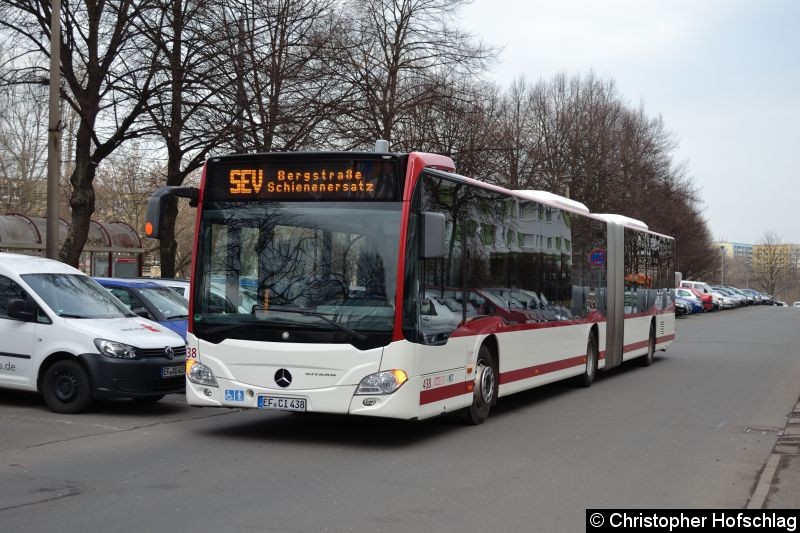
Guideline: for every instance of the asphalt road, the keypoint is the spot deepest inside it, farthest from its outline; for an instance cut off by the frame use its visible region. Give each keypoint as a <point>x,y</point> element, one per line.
<point>693,430</point>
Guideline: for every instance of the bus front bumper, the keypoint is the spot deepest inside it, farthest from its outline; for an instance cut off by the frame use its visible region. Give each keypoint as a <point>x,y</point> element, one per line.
<point>402,403</point>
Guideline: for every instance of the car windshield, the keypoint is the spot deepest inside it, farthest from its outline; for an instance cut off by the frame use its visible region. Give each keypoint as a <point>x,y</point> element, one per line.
<point>76,296</point>
<point>171,304</point>
<point>261,263</point>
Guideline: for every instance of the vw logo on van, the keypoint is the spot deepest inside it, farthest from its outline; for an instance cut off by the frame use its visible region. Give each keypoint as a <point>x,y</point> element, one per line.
<point>169,352</point>
<point>283,378</point>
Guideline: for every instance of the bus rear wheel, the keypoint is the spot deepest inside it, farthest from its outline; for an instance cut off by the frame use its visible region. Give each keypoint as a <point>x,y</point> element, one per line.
<point>590,373</point>
<point>484,393</point>
<point>648,358</point>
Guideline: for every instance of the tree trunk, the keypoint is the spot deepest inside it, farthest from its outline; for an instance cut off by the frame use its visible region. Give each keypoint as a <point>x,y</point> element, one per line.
<point>82,198</point>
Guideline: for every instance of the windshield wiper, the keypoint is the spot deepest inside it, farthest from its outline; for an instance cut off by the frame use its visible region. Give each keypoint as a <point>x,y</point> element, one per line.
<point>321,316</point>
<point>72,315</point>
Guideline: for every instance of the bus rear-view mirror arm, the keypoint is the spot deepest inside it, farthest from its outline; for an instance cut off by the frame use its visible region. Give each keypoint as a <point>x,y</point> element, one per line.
<point>432,236</point>
<point>157,205</point>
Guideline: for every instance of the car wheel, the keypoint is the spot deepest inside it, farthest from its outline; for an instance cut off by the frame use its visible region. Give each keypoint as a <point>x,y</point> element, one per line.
<point>66,387</point>
<point>590,372</point>
<point>485,391</point>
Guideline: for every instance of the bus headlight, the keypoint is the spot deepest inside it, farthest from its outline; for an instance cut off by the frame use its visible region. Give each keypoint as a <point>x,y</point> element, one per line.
<point>385,382</point>
<point>200,373</point>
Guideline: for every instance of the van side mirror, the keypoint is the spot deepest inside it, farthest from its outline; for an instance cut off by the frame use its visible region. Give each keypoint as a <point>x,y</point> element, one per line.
<point>23,310</point>
<point>432,235</point>
<point>157,206</point>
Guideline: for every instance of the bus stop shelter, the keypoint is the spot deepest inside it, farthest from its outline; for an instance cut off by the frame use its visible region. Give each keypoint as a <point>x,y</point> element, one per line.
<point>112,249</point>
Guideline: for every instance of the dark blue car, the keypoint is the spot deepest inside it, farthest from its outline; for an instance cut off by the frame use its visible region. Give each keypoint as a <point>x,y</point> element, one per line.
<point>151,300</point>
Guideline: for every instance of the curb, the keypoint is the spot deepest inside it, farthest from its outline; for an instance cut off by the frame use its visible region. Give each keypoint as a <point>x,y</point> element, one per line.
<point>788,444</point>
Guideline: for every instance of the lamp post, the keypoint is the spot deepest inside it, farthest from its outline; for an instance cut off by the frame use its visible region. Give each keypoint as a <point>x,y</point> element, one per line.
<point>722,266</point>
<point>54,133</point>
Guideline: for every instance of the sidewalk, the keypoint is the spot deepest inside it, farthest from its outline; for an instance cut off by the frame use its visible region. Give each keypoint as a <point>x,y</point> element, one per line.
<point>779,484</point>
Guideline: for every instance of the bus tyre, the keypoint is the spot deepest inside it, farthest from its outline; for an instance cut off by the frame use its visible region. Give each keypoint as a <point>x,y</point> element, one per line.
<point>485,391</point>
<point>590,373</point>
<point>647,359</point>
<point>66,387</point>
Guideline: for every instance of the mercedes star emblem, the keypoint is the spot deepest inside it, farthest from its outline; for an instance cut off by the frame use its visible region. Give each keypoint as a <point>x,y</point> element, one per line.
<point>283,378</point>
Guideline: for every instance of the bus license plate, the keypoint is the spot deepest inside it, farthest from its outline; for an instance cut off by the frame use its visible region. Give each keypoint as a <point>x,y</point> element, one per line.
<point>282,403</point>
<point>172,371</point>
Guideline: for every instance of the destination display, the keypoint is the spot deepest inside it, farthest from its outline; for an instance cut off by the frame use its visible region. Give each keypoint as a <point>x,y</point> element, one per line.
<point>312,180</point>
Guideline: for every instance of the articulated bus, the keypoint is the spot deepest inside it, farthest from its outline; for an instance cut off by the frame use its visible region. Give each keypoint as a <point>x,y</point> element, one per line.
<point>385,284</point>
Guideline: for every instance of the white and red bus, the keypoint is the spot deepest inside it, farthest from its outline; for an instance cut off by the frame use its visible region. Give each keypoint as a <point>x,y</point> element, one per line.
<point>384,284</point>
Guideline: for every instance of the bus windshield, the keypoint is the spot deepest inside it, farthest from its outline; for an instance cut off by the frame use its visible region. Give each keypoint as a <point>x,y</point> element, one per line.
<point>322,271</point>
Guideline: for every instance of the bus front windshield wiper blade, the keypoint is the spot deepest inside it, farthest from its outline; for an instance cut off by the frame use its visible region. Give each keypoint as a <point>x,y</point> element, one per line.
<point>321,316</point>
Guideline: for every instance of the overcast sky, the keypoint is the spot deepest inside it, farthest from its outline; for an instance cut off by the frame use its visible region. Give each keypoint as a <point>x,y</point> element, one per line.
<point>723,74</point>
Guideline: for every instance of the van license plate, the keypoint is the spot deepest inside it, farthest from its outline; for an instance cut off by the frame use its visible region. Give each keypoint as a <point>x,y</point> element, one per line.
<point>172,371</point>
<point>282,403</point>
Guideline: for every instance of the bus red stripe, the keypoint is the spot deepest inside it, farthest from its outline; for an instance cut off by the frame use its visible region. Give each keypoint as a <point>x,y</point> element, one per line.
<point>635,346</point>
<point>457,389</point>
<point>539,370</point>
<point>442,393</point>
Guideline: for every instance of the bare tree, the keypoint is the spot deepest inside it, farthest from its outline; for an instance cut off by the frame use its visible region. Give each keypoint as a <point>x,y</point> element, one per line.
<point>279,53</point>
<point>391,55</point>
<point>105,71</point>
<point>23,149</point>
<point>186,108</point>
<point>458,124</point>
<point>773,263</point>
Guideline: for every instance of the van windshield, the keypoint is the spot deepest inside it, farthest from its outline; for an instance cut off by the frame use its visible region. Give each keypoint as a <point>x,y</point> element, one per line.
<point>76,296</point>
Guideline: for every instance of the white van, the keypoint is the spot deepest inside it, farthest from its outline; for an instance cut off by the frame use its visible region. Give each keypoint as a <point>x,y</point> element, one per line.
<point>70,339</point>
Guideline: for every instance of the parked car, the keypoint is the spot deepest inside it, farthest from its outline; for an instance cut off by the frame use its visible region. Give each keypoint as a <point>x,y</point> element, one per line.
<point>151,300</point>
<point>218,300</point>
<point>708,302</point>
<point>690,298</point>
<point>181,286</point>
<point>68,338</point>
<point>705,289</point>
<point>682,307</point>
<point>760,297</point>
<point>796,304</point>
<point>738,299</point>
<point>748,299</point>
<point>725,301</point>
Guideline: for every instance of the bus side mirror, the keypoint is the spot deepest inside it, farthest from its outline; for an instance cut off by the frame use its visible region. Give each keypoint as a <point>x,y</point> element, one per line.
<point>432,236</point>
<point>157,206</point>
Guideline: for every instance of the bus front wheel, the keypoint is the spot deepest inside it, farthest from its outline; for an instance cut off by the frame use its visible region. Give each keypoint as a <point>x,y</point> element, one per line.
<point>485,391</point>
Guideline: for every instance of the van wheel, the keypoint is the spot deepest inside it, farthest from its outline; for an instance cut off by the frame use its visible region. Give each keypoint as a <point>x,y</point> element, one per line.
<point>67,388</point>
<point>648,358</point>
<point>485,391</point>
<point>590,373</point>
